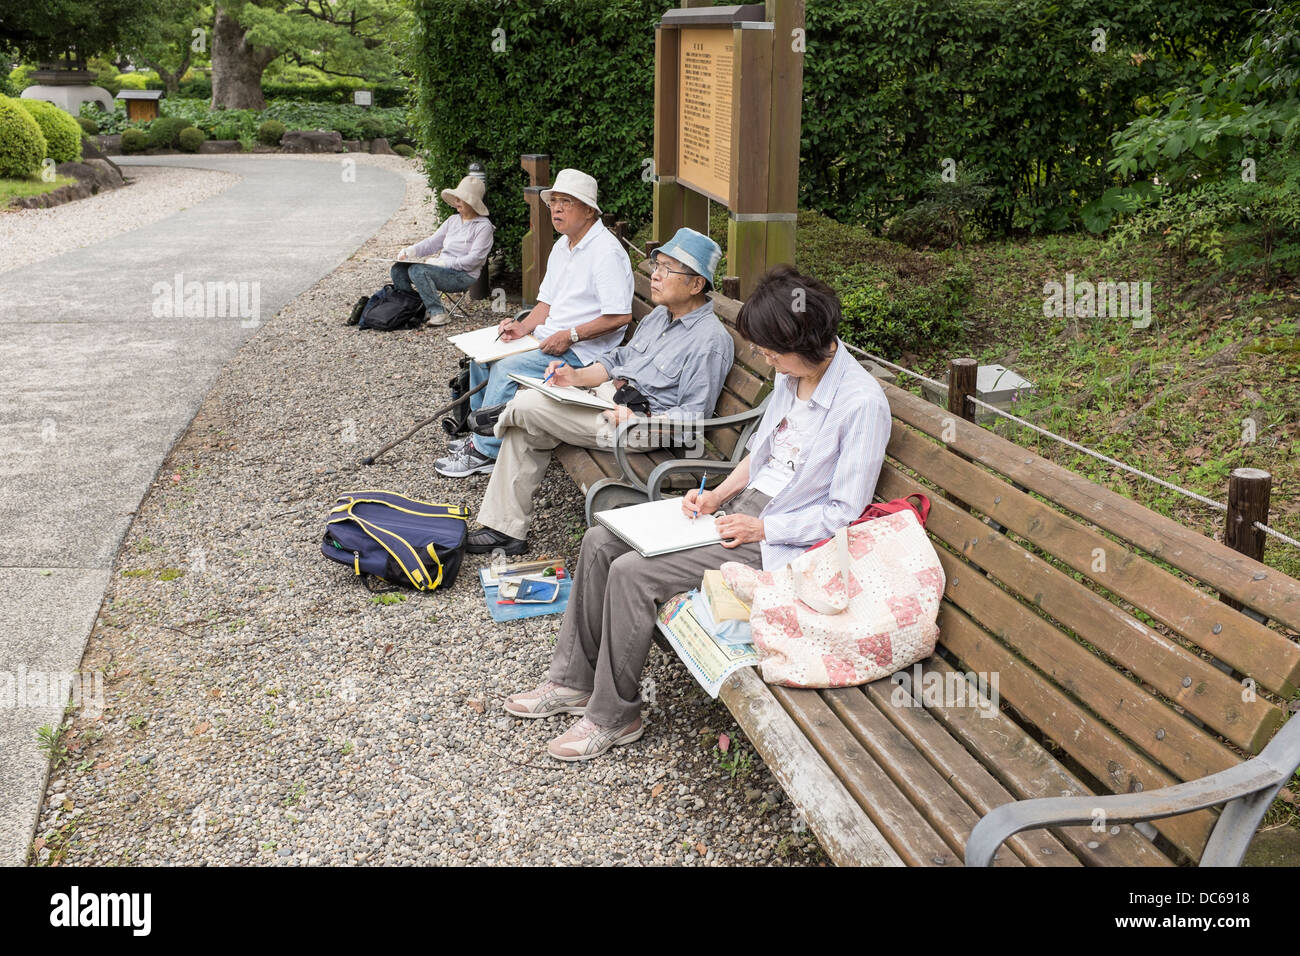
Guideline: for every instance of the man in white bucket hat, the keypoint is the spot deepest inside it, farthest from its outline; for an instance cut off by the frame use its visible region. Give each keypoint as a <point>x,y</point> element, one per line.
<point>584,302</point>
<point>672,371</point>
<point>455,254</point>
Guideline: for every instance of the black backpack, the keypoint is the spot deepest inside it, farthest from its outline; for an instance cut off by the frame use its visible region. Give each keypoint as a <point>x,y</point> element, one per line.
<point>391,309</point>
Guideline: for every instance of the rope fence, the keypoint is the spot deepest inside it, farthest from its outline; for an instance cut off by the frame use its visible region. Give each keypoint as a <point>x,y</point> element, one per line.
<point>1209,502</point>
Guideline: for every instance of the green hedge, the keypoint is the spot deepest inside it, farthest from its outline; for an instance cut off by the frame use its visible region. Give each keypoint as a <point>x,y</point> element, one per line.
<point>22,144</point>
<point>575,81</point>
<point>61,131</point>
<point>1010,89</point>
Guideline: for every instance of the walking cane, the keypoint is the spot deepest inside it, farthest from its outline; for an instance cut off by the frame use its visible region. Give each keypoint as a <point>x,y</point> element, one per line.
<point>432,418</point>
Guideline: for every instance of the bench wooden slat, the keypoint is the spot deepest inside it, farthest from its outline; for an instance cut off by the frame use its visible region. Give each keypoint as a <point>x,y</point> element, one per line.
<point>1272,593</point>
<point>1028,771</point>
<point>942,806</point>
<point>959,769</point>
<point>1172,669</point>
<point>1107,756</point>
<point>908,832</point>
<point>582,465</point>
<point>1173,742</point>
<point>843,829</point>
<point>748,388</point>
<point>1170,599</point>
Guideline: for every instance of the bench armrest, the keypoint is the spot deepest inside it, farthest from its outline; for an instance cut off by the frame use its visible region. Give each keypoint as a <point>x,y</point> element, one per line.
<point>1247,789</point>
<point>699,428</point>
<point>696,466</point>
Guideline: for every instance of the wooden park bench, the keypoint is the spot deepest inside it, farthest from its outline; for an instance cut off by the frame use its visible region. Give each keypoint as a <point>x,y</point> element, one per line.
<point>1126,660</point>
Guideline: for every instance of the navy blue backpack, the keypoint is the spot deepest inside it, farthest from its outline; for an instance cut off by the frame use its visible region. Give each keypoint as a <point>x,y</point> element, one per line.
<point>401,540</point>
<point>391,309</point>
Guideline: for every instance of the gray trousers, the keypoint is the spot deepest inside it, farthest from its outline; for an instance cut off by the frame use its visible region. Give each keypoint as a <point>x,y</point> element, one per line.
<point>610,620</point>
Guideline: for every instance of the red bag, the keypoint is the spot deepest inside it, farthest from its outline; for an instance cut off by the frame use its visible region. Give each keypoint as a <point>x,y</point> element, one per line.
<point>888,508</point>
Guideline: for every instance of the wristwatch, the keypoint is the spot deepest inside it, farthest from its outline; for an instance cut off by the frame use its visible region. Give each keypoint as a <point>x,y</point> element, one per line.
<point>573,334</point>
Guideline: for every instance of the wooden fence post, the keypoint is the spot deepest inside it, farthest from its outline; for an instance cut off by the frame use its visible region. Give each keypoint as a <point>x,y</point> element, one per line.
<point>961,386</point>
<point>540,236</point>
<point>731,287</point>
<point>1249,490</point>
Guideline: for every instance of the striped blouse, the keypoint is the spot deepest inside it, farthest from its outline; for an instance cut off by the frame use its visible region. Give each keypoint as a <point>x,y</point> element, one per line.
<point>835,476</point>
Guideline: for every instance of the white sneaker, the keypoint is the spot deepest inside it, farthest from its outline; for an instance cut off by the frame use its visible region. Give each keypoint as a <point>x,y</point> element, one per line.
<point>437,318</point>
<point>465,462</point>
<point>456,444</point>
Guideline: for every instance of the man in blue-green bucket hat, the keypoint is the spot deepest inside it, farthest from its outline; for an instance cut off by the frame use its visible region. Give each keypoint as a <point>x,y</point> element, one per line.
<point>671,373</point>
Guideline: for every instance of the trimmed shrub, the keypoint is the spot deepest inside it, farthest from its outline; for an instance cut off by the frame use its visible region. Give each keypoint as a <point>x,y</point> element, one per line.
<point>164,132</point>
<point>401,149</point>
<point>19,79</point>
<point>370,127</point>
<point>22,144</point>
<point>191,138</point>
<point>62,134</point>
<point>269,133</point>
<point>132,81</point>
<point>88,125</point>
<point>134,140</point>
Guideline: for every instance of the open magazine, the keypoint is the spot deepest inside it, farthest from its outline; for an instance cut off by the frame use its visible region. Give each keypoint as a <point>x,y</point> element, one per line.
<point>710,660</point>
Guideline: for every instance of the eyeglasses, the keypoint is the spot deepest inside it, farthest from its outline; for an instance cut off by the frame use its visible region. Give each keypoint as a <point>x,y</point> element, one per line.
<point>561,202</point>
<point>656,269</point>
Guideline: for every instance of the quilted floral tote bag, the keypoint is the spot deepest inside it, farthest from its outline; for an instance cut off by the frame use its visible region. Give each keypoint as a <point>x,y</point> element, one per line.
<point>853,609</point>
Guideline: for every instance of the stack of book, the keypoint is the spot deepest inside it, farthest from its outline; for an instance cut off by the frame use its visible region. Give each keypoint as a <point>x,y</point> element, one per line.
<point>720,612</point>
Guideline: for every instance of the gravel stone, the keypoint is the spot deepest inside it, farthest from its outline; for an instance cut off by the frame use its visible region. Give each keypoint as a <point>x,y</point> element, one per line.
<point>278,698</point>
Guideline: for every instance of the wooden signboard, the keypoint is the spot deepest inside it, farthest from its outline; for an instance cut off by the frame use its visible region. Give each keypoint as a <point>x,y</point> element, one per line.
<point>728,99</point>
<point>705,75</point>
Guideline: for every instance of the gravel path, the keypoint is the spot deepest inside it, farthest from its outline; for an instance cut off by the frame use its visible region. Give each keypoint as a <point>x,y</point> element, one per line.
<point>262,708</point>
<point>30,235</point>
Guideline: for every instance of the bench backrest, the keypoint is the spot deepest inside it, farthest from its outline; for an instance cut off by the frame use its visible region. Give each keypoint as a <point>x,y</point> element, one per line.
<point>1100,617</point>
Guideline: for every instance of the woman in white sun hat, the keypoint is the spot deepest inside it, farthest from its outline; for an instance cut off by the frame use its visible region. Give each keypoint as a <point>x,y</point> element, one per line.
<point>454,255</point>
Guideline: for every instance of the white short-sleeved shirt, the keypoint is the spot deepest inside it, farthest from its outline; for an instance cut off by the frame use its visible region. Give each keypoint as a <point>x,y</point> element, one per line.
<point>592,279</point>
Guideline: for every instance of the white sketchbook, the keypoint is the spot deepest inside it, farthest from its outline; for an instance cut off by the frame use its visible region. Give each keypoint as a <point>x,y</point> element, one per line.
<point>659,527</point>
<point>483,346</point>
<point>568,394</point>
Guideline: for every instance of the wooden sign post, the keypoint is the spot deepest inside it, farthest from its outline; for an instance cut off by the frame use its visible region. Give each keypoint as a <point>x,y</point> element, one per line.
<point>728,106</point>
<point>541,235</point>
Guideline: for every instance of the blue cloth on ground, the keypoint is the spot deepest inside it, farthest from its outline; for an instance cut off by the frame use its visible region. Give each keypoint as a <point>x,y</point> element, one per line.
<point>517,612</point>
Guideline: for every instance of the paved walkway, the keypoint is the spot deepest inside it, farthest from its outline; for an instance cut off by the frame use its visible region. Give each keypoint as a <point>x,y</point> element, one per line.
<point>102,377</point>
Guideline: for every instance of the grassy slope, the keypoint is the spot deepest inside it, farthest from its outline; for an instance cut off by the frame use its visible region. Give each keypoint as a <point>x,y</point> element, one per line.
<point>33,185</point>
<point>1172,399</point>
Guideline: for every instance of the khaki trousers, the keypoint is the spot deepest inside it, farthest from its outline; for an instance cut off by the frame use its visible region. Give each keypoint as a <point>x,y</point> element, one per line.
<point>610,620</point>
<point>531,427</point>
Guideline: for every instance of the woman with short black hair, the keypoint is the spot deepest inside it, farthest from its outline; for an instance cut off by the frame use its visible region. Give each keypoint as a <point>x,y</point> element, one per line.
<point>811,469</point>
<point>794,314</point>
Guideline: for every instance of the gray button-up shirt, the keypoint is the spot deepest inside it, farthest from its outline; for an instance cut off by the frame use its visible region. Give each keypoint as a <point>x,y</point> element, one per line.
<point>679,366</point>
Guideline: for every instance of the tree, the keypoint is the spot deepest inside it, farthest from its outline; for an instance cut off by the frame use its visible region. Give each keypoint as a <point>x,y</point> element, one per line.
<point>83,28</point>
<point>178,37</point>
<point>352,38</point>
